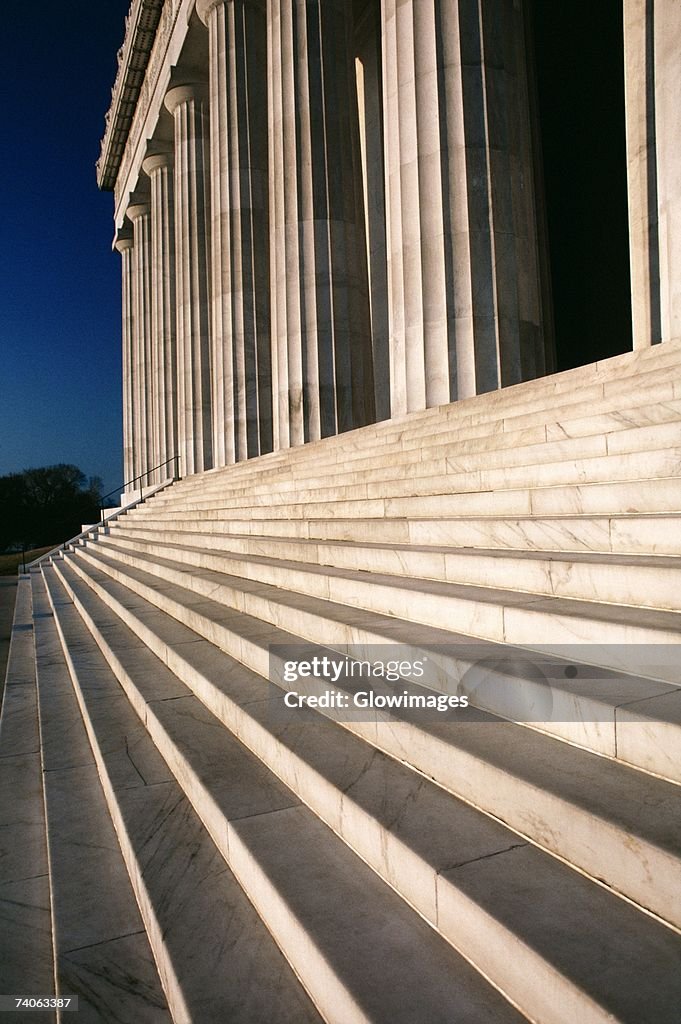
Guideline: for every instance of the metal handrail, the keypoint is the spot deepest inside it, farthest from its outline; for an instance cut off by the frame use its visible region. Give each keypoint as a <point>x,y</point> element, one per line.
<point>95,527</point>
<point>128,483</point>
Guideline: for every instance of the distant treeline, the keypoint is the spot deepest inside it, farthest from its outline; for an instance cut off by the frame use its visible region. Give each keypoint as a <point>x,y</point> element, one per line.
<point>46,506</point>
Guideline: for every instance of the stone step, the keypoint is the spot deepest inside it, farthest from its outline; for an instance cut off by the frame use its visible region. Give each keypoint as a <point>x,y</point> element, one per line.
<point>410,430</point>
<point>489,613</point>
<point>102,953</point>
<point>26,958</point>
<point>493,451</point>
<point>336,466</point>
<point>556,424</point>
<point>589,710</point>
<point>644,581</point>
<point>640,469</point>
<point>446,459</point>
<point>214,954</point>
<point>572,415</point>
<point>359,796</point>
<point>623,534</point>
<point>633,497</point>
<point>624,832</point>
<point>345,932</point>
<point>535,400</point>
<point>601,498</point>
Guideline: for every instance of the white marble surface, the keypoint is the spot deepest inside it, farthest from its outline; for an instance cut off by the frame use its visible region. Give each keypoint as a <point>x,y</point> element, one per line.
<point>26,961</point>
<point>200,925</point>
<point>570,981</point>
<point>352,631</point>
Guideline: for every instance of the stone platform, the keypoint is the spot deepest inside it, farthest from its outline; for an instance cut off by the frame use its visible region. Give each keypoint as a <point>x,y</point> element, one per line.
<point>177,848</point>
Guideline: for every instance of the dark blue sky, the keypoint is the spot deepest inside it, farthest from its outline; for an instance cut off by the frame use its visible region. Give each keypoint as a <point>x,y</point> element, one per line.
<point>60,373</point>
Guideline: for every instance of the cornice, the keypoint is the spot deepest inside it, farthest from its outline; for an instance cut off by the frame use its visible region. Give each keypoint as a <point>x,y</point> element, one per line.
<point>133,58</point>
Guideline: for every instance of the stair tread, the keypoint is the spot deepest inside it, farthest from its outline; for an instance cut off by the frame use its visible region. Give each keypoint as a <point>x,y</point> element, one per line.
<point>615,688</point>
<point>101,949</point>
<point>368,921</point>
<point>445,458</point>
<point>26,962</point>
<point>441,830</point>
<point>629,801</point>
<point>209,920</point>
<point>497,596</point>
<point>668,562</point>
<point>519,500</point>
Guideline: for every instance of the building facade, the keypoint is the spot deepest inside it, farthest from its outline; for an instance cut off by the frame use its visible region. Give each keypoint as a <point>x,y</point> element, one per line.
<point>331,212</point>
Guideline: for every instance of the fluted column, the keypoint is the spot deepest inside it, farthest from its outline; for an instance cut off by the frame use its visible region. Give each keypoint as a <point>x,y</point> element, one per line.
<point>321,335</point>
<point>159,168</point>
<point>242,387</point>
<point>465,312</point>
<point>143,425</point>
<point>652,79</point>
<point>124,244</point>
<point>667,79</point>
<point>188,105</point>
<point>639,85</point>
<point>370,91</point>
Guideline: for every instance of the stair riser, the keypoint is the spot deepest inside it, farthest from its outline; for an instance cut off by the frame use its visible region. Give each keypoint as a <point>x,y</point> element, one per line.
<point>464,450</point>
<point>534,466</point>
<point>529,626</point>
<point>644,586</point>
<point>405,871</point>
<point>596,847</point>
<point>606,498</point>
<point>454,485</point>
<point>628,535</point>
<point>300,947</point>
<point>413,429</point>
<point>577,717</point>
<point>650,405</point>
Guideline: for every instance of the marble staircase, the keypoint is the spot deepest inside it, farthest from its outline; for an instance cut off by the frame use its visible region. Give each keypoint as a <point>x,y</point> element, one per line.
<point>182,848</point>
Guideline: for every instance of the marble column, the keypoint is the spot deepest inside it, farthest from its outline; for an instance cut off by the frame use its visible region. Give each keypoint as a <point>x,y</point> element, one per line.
<point>464,296</point>
<point>143,421</point>
<point>189,107</point>
<point>667,79</point>
<point>321,326</point>
<point>639,91</point>
<point>370,104</point>
<point>159,168</point>
<point>124,244</point>
<point>242,386</point>
<point>652,77</point>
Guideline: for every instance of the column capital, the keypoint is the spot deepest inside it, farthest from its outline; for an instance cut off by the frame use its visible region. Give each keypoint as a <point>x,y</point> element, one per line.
<point>137,209</point>
<point>154,161</point>
<point>122,242</point>
<point>179,94</point>
<point>204,7</point>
